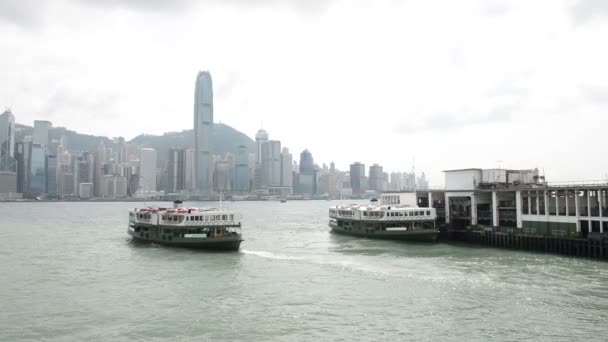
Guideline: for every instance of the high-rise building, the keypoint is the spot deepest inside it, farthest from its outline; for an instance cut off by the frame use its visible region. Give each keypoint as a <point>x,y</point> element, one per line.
<point>176,170</point>
<point>52,175</point>
<point>7,139</point>
<point>41,132</point>
<point>376,178</point>
<point>357,178</point>
<point>189,170</point>
<point>66,175</point>
<point>23,155</point>
<point>242,173</point>
<point>121,151</point>
<point>100,159</point>
<point>147,170</point>
<point>307,178</point>
<point>221,176</point>
<point>38,170</point>
<point>85,168</point>
<point>261,138</point>
<point>271,164</point>
<point>286,168</point>
<point>307,164</point>
<point>8,164</point>
<point>203,131</point>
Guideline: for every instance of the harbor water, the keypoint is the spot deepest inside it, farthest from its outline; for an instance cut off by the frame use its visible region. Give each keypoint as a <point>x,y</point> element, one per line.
<point>70,272</point>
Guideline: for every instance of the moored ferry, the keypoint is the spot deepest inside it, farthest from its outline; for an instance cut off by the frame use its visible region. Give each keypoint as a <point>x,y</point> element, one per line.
<point>396,217</point>
<point>201,228</point>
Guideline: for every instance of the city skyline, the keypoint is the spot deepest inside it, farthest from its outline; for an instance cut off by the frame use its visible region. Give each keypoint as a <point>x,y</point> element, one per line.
<point>464,93</point>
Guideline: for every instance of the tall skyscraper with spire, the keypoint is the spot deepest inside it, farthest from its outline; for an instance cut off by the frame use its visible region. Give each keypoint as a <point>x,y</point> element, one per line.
<point>203,130</point>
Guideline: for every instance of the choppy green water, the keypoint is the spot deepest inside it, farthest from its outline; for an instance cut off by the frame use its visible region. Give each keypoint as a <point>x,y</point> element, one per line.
<point>69,273</point>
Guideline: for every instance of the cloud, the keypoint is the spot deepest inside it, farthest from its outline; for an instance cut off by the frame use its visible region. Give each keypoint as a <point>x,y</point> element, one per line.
<point>153,5</point>
<point>456,120</point>
<point>595,95</point>
<point>92,104</point>
<point>22,13</point>
<point>585,10</point>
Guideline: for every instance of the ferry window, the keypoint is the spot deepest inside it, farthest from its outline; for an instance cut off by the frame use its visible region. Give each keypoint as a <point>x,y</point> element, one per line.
<point>224,217</point>
<point>428,212</point>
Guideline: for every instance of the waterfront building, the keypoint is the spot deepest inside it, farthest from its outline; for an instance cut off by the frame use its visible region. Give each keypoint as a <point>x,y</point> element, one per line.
<point>376,178</point>
<point>519,202</point>
<point>100,170</point>
<point>357,178</point>
<point>286,170</point>
<point>307,164</point>
<point>221,176</point>
<point>242,173</point>
<point>7,140</point>
<point>8,183</point>
<point>38,170</point>
<point>85,190</point>
<point>189,170</point>
<point>52,175</point>
<point>422,182</point>
<point>307,176</point>
<point>85,168</point>
<point>147,170</point>
<point>176,170</point>
<point>8,163</point>
<point>203,133</point>
<point>121,151</point>
<point>261,138</point>
<point>23,151</point>
<point>271,164</point>
<point>41,132</point>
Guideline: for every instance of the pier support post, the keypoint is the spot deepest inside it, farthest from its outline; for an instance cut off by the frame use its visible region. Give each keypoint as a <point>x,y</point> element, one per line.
<point>578,212</point>
<point>494,209</point>
<point>518,210</point>
<point>473,210</point>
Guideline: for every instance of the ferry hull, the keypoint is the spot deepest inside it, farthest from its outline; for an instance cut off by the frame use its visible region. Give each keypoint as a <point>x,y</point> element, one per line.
<point>211,244</point>
<point>427,235</point>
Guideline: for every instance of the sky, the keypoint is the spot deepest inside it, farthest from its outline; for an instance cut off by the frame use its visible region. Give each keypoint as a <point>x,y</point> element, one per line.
<point>436,84</point>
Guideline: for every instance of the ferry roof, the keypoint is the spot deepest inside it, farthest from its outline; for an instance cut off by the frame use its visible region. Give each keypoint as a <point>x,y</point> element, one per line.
<point>363,207</point>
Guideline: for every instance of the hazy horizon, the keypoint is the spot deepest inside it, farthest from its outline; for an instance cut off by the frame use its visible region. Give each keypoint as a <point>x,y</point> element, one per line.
<point>451,85</point>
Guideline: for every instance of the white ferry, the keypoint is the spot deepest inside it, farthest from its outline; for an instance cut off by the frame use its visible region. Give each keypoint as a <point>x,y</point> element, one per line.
<point>396,217</point>
<point>202,228</point>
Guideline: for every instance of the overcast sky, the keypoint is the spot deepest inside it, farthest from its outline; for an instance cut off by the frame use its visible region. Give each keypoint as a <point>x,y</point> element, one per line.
<point>453,84</point>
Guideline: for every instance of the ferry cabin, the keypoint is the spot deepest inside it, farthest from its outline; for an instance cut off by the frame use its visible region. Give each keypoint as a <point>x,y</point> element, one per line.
<point>369,219</point>
<point>167,225</point>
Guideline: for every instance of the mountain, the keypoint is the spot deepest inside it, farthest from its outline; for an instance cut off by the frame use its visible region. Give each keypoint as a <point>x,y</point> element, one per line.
<point>225,140</point>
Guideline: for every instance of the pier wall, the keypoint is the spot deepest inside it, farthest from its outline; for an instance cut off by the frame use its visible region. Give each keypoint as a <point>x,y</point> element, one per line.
<point>595,246</point>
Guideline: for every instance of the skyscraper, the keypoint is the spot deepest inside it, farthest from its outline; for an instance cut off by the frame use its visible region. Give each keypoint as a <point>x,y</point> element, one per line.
<point>147,170</point>
<point>41,132</point>
<point>261,138</point>
<point>23,154</point>
<point>8,164</point>
<point>176,170</point>
<point>38,170</point>
<point>307,164</point>
<point>242,175</point>
<point>7,136</point>
<point>376,178</point>
<point>51,175</point>
<point>357,178</point>
<point>203,130</point>
<point>271,164</point>
<point>307,177</point>
<point>286,168</point>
